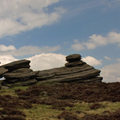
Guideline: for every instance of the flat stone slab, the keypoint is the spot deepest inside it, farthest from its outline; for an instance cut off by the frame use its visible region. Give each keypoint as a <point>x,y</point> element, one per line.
<point>76,76</point>
<point>90,80</point>
<point>72,70</point>
<point>22,70</point>
<point>74,64</point>
<point>63,71</point>
<point>73,58</point>
<point>10,81</point>
<point>17,65</point>
<point>44,77</point>
<point>82,75</point>
<point>19,75</point>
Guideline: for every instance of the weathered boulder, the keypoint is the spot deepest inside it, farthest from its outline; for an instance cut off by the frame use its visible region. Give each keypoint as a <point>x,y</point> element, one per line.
<point>26,83</point>
<point>45,76</point>
<point>22,70</point>
<point>9,81</point>
<point>19,75</point>
<point>17,65</point>
<point>85,75</point>
<point>73,64</point>
<point>75,70</point>
<point>72,70</point>
<point>22,74</point>
<point>20,78</point>
<point>73,58</point>
<point>61,72</point>
<point>80,76</point>
<point>95,79</point>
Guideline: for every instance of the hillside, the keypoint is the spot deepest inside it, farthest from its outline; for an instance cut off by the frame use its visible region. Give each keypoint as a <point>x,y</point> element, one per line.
<point>72,92</point>
<point>61,101</point>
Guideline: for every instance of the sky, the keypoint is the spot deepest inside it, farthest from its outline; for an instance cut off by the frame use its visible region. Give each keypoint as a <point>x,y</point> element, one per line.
<point>46,31</point>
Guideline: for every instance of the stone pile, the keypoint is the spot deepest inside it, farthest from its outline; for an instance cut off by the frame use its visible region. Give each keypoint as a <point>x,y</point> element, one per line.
<point>17,73</point>
<point>75,70</point>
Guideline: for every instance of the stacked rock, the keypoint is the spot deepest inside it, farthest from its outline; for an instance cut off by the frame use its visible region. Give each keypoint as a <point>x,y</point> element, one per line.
<point>18,73</point>
<point>74,71</point>
<point>74,60</point>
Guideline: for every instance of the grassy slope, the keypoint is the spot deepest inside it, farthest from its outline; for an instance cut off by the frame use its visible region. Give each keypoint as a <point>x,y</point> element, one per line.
<point>45,112</point>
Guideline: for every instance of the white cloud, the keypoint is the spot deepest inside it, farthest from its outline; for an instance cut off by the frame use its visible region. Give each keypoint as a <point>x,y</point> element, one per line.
<point>30,50</point>
<point>111,73</point>
<point>26,50</point>
<point>77,46</point>
<point>47,61</point>
<point>107,58</point>
<point>92,61</point>
<point>19,15</point>
<point>4,59</point>
<point>7,48</point>
<point>97,40</point>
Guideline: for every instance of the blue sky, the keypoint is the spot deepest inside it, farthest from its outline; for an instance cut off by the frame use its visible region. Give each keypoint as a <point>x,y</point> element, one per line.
<point>45,31</point>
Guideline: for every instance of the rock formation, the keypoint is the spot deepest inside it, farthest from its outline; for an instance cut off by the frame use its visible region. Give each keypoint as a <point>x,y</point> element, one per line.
<point>18,73</point>
<point>17,64</point>
<point>75,70</point>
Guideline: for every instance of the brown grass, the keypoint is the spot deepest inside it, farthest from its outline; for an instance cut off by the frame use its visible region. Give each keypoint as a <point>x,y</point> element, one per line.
<point>73,101</point>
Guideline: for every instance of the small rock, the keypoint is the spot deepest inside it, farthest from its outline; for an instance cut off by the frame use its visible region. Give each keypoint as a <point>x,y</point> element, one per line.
<point>73,58</point>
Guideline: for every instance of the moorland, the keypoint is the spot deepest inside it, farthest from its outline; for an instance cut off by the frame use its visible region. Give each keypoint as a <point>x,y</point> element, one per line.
<point>61,101</point>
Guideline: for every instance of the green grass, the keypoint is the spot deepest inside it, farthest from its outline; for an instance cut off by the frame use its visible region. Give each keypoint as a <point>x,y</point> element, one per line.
<point>41,112</point>
<point>45,112</point>
<point>85,107</point>
<point>11,91</point>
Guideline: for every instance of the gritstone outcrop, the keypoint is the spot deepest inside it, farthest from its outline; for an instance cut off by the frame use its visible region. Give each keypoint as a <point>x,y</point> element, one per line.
<point>75,70</point>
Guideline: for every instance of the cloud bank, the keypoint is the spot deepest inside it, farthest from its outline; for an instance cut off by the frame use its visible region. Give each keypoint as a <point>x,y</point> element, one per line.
<point>26,50</point>
<point>92,61</point>
<point>4,59</point>
<point>111,73</point>
<point>18,15</point>
<point>47,61</point>
<point>97,41</point>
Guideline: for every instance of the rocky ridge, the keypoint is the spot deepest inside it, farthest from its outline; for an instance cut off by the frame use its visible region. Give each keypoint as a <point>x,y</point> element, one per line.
<point>75,70</point>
